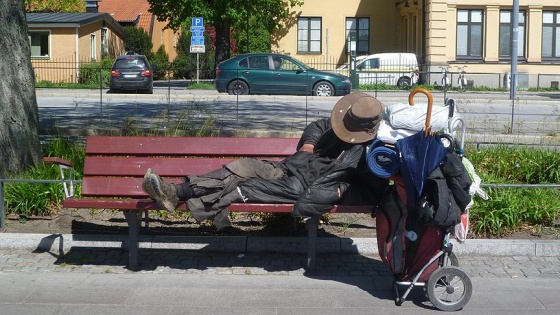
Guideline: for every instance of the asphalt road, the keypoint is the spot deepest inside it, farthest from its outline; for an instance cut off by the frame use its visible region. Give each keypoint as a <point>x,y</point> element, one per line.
<point>531,114</point>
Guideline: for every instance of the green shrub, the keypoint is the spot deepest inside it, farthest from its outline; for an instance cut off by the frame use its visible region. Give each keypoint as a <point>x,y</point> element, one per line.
<point>160,63</point>
<point>90,73</point>
<point>510,208</point>
<point>27,199</point>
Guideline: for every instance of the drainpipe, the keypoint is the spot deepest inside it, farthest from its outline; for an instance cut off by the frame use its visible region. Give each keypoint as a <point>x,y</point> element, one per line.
<point>424,50</point>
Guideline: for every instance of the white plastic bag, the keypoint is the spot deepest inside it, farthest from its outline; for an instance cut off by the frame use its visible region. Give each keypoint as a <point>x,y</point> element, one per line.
<point>462,228</point>
<point>413,117</point>
<point>390,135</point>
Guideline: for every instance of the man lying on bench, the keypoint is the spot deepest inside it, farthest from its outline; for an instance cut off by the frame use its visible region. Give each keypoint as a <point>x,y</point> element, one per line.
<point>328,168</point>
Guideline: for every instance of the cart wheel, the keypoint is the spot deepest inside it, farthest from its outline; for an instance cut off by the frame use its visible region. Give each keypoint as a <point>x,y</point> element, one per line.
<point>449,288</point>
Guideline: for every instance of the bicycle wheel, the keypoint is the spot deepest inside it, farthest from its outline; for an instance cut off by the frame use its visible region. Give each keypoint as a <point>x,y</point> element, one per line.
<point>449,288</point>
<point>462,82</point>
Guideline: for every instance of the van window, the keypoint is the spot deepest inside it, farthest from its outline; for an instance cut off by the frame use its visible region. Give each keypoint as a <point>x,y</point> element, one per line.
<point>370,64</point>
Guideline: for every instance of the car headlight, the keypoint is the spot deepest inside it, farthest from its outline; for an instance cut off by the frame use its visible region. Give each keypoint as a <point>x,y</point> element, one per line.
<point>347,80</point>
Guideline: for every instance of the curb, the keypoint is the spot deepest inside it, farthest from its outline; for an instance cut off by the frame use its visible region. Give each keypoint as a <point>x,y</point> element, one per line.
<point>251,244</point>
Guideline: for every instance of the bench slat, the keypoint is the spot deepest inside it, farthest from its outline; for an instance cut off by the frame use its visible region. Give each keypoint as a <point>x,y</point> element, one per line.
<point>203,146</point>
<point>137,166</point>
<point>147,204</point>
<point>116,186</point>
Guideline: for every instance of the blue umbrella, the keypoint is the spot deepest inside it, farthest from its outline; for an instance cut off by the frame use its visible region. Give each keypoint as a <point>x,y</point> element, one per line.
<point>419,154</point>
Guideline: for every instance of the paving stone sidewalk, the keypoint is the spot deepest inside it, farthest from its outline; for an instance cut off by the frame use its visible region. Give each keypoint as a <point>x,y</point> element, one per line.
<point>197,262</point>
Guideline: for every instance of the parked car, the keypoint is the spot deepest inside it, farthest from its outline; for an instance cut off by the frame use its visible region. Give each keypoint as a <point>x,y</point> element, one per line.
<point>400,69</point>
<point>267,73</point>
<point>132,72</point>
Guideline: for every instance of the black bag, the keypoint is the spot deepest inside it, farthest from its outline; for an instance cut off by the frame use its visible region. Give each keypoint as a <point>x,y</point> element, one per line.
<point>458,179</point>
<point>437,204</point>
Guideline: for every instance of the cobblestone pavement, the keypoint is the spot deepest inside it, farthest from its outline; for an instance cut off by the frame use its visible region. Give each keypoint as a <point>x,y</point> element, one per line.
<point>196,262</point>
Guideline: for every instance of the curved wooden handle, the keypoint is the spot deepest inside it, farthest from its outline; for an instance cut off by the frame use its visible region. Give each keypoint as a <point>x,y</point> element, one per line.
<point>430,103</point>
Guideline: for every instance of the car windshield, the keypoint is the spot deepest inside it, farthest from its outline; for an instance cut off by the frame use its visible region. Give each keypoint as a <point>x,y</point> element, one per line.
<point>129,63</point>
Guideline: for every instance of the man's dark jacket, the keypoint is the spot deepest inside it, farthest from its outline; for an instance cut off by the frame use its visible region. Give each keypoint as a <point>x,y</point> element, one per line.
<point>314,180</point>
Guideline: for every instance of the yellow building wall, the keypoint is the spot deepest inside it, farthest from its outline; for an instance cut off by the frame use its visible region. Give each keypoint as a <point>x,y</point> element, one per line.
<point>167,37</point>
<point>441,35</point>
<point>383,21</point>
<point>69,47</point>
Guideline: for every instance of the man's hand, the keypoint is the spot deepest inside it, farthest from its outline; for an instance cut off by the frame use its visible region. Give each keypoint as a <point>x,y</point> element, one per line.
<point>308,148</point>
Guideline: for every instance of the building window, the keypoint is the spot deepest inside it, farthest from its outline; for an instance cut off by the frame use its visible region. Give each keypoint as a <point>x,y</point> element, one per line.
<point>309,35</point>
<point>506,33</point>
<point>361,27</point>
<point>551,34</point>
<point>39,43</point>
<point>93,50</point>
<point>469,34</point>
<point>104,42</point>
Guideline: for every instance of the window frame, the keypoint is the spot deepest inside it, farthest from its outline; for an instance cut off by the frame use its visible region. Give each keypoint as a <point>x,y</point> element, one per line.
<point>521,36</point>
<point>469,34</point>
<point>33,33</point>
<point>555,36</point>
<point>93,46</point>
<point>307,40</point>
<point>365,38</point>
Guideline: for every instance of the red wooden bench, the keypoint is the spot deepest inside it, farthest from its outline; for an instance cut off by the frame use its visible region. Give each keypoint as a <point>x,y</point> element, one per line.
<point>114,168</point>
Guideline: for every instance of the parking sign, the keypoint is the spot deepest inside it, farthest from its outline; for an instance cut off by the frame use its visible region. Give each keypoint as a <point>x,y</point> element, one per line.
<point>197,21</point>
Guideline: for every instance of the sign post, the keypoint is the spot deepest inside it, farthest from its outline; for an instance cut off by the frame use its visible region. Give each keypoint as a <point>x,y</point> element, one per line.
<point>197,42</point>
<point>352,37</point>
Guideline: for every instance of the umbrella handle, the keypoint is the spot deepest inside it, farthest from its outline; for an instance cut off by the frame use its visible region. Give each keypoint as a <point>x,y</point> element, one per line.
<point>430,103</point>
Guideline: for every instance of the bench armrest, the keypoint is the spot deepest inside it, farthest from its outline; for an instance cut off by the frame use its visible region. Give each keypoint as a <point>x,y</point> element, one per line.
<point>64,166</point>
<point>56,160</point>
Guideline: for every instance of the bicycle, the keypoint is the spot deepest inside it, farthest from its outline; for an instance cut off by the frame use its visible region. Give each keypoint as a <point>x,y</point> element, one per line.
<point>445,79</point>
<point>462,80</point>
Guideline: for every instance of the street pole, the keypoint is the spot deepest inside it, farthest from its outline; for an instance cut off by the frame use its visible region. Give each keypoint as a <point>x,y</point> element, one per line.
<point>514,40</point>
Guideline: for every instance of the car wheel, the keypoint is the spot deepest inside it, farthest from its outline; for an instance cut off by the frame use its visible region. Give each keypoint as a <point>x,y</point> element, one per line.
<point>323,89</point>
<point>238,87</point>
<point>404,82</point>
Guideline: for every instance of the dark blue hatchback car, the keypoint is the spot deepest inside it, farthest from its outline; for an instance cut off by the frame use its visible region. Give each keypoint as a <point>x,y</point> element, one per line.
<point>266,73</point>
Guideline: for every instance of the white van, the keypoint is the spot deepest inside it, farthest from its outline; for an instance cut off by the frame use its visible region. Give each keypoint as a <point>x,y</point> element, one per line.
<point>400,69</point>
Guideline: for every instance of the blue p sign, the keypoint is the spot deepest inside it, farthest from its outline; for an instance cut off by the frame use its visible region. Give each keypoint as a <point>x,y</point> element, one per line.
<point>197,21</point>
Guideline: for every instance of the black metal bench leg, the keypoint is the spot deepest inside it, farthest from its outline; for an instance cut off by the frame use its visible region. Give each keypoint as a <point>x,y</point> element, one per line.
<point>312,226</point>
<point>133,218</point>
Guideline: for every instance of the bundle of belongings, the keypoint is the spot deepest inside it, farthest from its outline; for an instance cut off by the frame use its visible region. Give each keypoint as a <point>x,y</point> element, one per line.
<point>439,182</point>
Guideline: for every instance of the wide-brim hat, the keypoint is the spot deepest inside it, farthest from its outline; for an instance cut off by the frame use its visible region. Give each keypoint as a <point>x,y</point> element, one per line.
<point>355,118</point>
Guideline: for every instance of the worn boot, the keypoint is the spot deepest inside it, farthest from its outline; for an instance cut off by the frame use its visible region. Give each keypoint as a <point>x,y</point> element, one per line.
<point>165,194</point>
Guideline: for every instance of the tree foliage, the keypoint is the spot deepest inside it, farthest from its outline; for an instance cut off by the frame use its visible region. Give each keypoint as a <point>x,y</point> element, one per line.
<point>138,41</point>
<point>225,15</point>
<point>55,6</point>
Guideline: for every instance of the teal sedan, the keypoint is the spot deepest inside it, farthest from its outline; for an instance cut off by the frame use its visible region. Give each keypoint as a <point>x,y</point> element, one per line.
<point>266,73</point>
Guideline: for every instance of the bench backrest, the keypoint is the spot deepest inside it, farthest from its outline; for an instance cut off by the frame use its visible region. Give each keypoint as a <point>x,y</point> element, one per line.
<point>115,166</point>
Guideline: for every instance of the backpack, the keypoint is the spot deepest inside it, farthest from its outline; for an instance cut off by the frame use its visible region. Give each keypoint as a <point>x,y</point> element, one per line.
<point>437,205</point>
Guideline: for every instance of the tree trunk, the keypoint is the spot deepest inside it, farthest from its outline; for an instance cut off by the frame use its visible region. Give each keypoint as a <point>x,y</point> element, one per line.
<point>19,122</point>
<point>222,41</point>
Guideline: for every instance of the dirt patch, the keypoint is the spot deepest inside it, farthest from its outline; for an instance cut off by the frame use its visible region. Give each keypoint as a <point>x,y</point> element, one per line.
<point>83,221</point>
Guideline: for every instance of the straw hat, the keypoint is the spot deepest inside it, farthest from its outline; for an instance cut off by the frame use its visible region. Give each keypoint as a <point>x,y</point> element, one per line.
<point>355,117</point>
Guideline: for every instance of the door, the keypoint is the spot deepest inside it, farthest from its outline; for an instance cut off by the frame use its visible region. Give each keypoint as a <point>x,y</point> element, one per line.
<point>255,71</point>
<point>288,76</point>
